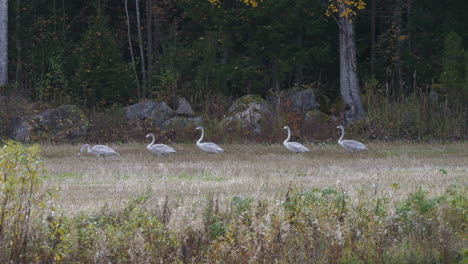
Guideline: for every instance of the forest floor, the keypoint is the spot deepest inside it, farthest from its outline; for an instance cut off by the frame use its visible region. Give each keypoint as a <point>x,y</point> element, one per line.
<point>184,180</point>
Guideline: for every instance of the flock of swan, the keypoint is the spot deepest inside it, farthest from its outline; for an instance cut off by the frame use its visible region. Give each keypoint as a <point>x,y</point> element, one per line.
<point>162,149</point>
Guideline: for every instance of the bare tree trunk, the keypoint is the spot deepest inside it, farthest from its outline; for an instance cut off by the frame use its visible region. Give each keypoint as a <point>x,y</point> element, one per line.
<point>349,83</point>
<point>149,29</point>
<point>299,78</point>
<point>408,24</point>
<point>372,34</point>
<point>396,25</point>
<point>3,42</point>
<point>142,53</point>
<point>275,75</point>
<point>18,44</point>
<point>131,50</point>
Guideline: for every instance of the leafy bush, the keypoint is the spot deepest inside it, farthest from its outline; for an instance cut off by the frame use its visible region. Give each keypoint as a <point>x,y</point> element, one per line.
<point>22,200</point>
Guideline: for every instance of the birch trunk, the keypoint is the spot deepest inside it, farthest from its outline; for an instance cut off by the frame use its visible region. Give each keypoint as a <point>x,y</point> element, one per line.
<point>131,51</point>
<point>3,42</point>
<point>349,82</point>
<point>142,53</point>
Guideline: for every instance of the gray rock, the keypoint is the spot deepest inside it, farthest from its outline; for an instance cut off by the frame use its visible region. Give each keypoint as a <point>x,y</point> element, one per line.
<point>161,113</point>
<point>184,108</point>
<point>315,116</point>
<point>250,110</point>
<point>65,122</point>
<point>180,122</point>
<point>140,111</point>
<point>295,100</point>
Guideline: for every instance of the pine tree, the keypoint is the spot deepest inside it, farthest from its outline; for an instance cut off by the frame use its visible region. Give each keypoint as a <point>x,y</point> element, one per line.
<point>102,77</point>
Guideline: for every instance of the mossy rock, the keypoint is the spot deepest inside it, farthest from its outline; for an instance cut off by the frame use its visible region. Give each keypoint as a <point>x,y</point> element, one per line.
<point>249,110</point>
<point>317,116</point>
<point>247,101</point>
<point>295,100</point>
<point>180,122</point>
<point>67,122</point>
<point>161,113</point>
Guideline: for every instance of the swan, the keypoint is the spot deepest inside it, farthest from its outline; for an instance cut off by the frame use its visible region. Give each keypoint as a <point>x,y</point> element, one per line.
<point>159,149</point>
<point>351,145</point>
<point>207,146</point>
<point>293,146</point>
<point>98,150</point>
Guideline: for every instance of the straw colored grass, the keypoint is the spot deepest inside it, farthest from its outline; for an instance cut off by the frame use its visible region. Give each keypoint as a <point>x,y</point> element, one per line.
<point>262,172</point>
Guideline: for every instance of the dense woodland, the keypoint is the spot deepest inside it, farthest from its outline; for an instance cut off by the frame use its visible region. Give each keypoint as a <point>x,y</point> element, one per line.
<point>411,54</point>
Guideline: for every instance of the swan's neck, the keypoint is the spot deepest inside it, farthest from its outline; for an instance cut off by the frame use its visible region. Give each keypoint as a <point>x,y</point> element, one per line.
<point>289,136</point>
<point>342,134</point>
<point>202,134</point>
<point>152,142</point>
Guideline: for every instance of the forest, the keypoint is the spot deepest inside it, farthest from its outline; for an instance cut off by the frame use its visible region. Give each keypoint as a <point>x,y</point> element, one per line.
<point>411,57</point>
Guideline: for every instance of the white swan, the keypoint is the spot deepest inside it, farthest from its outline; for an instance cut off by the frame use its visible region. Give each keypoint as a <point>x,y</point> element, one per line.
<point>293,146</point>
<point>159,149</point>
<point>207,146</point>
<point>98,150</point>
<point>351,145</point>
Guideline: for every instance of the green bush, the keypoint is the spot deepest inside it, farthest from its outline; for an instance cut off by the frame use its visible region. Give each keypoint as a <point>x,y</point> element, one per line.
<point>22,201</point>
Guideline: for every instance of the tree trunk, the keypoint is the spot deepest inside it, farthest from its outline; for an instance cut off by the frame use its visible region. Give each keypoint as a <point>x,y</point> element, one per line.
<point>142,53</point>
<point>18,45</point>
<point>149,45</point>
<point>372,34</point>
<point>299,73</point>
<point>131,50</point>
<point>396,26</point>
<point>3,42</point>
<point>349,83</point>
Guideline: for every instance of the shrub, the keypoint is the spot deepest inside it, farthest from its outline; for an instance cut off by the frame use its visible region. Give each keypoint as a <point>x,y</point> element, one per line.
<point>22,201</point>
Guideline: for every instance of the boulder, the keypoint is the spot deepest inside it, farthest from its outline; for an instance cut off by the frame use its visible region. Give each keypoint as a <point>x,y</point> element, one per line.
<point>65,122</point>
<point>250,110</point>
<point>180,122</point>
<point>161,113</point>
<point>184,108</point>
<point>140,111</point>
<point>295,100</point>
<point>315,116</point>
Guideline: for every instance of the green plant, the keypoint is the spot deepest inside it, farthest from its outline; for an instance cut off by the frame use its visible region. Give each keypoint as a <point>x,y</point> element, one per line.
<point>22,200</point>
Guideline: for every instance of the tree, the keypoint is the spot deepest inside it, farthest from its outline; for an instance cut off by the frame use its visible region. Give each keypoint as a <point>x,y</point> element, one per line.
<point>102,77</point>
<point>453,76</point>
<point>349,82</point>
<point>3,42</point>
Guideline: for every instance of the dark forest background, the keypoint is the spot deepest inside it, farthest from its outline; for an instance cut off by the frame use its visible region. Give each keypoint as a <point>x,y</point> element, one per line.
<point>412,56</point>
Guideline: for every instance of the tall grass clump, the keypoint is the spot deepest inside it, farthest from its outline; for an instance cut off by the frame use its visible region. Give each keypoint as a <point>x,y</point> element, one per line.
<point>416,116</point>
<point>22,201</point>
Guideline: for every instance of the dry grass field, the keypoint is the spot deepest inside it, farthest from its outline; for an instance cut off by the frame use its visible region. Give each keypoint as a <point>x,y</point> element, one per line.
<point>186,178</point>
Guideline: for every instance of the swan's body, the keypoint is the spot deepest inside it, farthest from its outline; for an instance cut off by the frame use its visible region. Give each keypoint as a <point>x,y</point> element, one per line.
<point>158,149</point>
<point>98,150</point>
<point>207,146</point>
<point>293,146</point>
<point>351,145</point>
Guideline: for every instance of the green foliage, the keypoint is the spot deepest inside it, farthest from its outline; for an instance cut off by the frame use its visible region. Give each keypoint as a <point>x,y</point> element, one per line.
<point>133,234</point>
<point>22,199</point>
<point>102,77</point>
<point>417,204</point>
<point>454,64</point>
<point>55,86</point>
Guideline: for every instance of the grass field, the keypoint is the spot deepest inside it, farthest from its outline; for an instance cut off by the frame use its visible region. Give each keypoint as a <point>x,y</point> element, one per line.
<point>396,203</point>
<point>262,172</point>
